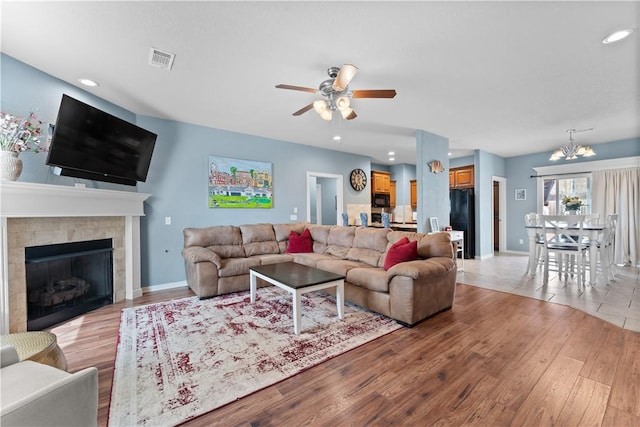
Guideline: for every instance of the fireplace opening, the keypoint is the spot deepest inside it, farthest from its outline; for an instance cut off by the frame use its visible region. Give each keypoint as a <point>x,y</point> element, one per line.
<point>66,280</point>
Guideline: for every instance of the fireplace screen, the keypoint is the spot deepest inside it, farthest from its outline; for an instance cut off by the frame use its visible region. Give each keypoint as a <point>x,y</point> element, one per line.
<point>67,280</point>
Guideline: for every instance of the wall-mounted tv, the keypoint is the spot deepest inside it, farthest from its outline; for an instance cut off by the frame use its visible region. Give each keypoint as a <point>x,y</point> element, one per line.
<point>90,143</point>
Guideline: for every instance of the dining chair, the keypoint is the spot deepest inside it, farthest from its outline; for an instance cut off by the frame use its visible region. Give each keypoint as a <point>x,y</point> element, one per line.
<point>564,239</point>
<point>606,249</point>
<point>533,218</point>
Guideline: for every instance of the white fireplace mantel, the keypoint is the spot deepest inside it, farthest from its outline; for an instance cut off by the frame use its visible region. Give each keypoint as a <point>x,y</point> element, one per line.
<point>32,200</point>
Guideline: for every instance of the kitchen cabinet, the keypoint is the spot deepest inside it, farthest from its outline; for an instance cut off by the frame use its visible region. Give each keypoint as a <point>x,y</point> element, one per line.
<point>414,193</point>
<point>462,177</point>
<point>392,194</point>
<point>380,182</point>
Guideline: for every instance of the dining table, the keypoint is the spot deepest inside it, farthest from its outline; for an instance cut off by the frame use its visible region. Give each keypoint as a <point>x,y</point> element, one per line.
<point>593,231</point>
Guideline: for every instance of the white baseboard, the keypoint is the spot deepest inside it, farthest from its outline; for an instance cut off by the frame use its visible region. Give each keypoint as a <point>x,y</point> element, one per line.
<point>516,252</point>
<point>163,287</point>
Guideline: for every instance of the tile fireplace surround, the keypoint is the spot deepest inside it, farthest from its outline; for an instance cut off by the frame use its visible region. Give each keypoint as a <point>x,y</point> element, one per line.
<point>41,214</point>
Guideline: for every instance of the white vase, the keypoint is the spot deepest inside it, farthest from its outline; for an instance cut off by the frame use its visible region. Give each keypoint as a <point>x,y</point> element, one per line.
<point>10,166</point>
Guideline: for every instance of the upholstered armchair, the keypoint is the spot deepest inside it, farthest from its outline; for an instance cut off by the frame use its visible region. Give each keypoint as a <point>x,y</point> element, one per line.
<point>34,394</point>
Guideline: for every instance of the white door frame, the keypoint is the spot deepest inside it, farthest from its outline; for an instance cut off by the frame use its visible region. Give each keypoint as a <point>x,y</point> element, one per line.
<point>318,204</point>
<point>339,193</point>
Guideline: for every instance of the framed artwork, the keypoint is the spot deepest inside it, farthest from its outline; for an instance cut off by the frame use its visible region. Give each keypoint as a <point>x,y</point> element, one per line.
<point>237,183</point>
<point>521,194</point>
<point>433,223</point>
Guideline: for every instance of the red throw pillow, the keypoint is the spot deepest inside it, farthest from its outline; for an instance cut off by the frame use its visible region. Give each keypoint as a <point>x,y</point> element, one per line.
<point>299,243</point>
<point>401,253</point>
<point>400,242</point>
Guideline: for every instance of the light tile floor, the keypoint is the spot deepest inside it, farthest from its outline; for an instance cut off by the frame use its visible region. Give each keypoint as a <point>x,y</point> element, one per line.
<point>617,302</point>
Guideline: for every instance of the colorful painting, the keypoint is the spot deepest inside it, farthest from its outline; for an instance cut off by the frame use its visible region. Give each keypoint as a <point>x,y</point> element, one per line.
<point>235,183</point>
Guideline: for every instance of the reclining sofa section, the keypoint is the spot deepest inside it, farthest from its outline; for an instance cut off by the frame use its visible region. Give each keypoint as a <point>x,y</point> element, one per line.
<point>218,259</point>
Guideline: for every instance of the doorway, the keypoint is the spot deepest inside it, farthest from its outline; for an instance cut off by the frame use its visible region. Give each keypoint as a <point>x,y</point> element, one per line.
<point>499,212</point>
<point>325,202</point>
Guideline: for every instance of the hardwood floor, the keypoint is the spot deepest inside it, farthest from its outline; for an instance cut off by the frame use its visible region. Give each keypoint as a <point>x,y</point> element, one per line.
<point>494,359</point>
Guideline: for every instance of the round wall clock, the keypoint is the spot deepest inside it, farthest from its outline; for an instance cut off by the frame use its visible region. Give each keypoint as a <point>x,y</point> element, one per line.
<point>358,179</point>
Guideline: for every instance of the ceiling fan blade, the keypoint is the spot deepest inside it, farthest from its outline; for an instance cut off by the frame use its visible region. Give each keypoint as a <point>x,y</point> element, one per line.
<point>344,76</point>
<point>303,110</point>
<point>300,88</point>
<point>374,93</point>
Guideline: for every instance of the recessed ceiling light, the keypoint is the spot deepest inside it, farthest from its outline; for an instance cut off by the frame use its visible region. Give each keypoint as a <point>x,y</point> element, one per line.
<point>391,153</point>
<point>337,138</point>
<point>89,82</point>
<point>617,36</point>
<point>449,153</point>
<point>391,159</point>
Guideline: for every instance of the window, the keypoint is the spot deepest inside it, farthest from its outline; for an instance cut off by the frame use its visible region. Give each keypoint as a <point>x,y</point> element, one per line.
<point>555,188</point>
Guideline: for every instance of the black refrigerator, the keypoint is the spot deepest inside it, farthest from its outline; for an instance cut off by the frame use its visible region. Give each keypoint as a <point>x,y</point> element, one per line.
<point>462,218</point>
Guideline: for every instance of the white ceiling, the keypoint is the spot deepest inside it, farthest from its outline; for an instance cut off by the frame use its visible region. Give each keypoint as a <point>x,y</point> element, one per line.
<point>505,77</point>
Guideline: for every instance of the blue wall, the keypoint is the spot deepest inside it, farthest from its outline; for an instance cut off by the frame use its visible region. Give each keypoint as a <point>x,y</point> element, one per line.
<point>26,89</point>
<point>520,169</point>
<point>177,178</point>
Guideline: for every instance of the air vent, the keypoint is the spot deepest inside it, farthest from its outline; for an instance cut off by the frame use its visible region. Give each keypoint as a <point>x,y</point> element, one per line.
<point>160,59</point>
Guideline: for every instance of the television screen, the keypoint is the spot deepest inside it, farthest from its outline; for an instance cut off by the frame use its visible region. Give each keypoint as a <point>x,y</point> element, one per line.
<point>90,143</point>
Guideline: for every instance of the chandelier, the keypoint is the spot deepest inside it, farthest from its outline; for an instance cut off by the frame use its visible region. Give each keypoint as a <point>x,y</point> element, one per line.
<point>573,150</point>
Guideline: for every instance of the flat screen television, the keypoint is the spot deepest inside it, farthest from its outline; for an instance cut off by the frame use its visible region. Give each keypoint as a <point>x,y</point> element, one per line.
<point>90,143</point>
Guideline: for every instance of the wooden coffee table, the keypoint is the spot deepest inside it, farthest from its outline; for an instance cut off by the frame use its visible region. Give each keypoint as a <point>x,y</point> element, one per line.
<point>298,279</point>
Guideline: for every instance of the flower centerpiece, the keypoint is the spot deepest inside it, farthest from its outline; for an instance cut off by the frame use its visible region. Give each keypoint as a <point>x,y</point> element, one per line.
<point>572,203</point>
<point>17,134</point>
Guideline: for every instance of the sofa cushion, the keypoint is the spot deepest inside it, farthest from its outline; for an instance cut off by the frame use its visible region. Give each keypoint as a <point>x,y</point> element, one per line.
<point>400,252</point>
<point>435,245</point>
<point>237,266</point>
<point>224,240</point>
<point>339,266</point>
<point>371,278</point>
<point>282,232</point>
<point>259,239</point>
<point>319,234</point>
<point>274,258</point>
<point>368,245</point>
<point>300,243</point>
<point>340,240</point>
<point>311,259</point>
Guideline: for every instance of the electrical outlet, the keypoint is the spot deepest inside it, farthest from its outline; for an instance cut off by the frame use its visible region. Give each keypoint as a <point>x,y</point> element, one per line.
<point>167,220</point>
<point>295,210</point>
<point>293,217</point>
<point>521,242</point>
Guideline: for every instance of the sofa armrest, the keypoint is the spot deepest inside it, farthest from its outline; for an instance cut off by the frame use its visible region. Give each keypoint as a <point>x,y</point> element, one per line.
<point>8,356</point>
<point>196,254</point>
<point>422,268</point>
<point>70,401</point>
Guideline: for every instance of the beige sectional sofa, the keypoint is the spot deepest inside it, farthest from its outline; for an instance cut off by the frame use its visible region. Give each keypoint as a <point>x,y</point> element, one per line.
<point>218,259</point>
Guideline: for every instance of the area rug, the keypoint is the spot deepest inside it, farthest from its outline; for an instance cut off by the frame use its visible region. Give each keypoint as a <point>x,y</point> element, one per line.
<point>180,359</point>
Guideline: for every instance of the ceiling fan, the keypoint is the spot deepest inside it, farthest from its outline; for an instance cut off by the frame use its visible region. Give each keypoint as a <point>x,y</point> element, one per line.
<point>337,95</point>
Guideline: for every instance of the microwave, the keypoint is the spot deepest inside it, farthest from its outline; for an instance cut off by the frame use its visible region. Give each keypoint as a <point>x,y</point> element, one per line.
<point>380,200</point>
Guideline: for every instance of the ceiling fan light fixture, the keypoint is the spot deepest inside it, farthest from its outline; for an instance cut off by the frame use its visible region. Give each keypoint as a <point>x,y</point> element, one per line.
<point>322,108</point>
<point>346,113</point>
<point>589,152</point>
<point>343,103</point>
<point>617,35</point>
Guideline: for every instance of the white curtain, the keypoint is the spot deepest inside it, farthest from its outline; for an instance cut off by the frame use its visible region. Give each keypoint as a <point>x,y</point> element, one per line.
<point>617,191</point>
